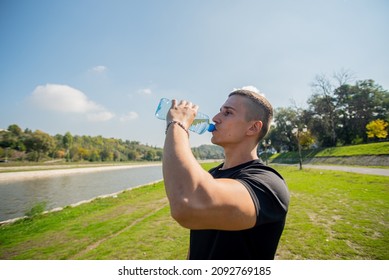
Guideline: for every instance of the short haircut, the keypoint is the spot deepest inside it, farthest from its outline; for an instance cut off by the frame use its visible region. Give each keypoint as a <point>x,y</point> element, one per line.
<point>259,109</point>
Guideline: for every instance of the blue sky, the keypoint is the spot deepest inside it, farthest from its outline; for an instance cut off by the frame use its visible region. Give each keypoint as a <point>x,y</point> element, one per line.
<point>100,67</point>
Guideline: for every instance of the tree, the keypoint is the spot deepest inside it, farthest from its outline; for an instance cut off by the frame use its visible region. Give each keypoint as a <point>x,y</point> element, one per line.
<point>377,128</point>
<point>306,139</point>
<point>340,111</point>
<point>281,135</point>
<point>41,143</point>
<point>106,154</point>
<point>358,105</point>
<point>287,120</point>
<point>12,138</point>
<point>15,130</point>
<point>150,155</point>
<point>325,106</point>
<point>67,141</point>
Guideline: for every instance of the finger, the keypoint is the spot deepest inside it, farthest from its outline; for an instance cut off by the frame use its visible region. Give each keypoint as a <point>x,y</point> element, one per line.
<point>182,103</point>
<point>174,103</point>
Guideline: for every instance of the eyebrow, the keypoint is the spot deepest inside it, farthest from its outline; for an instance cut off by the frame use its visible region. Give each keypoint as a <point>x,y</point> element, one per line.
<point>227,108</point>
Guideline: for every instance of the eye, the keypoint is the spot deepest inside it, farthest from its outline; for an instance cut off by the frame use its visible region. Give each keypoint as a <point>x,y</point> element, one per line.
<point>228,112</point>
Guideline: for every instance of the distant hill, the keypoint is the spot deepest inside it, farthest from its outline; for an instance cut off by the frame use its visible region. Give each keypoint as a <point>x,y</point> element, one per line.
<point>208,152</point>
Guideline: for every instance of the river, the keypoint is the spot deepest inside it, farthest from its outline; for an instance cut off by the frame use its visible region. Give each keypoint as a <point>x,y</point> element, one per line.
<point>19,196</point>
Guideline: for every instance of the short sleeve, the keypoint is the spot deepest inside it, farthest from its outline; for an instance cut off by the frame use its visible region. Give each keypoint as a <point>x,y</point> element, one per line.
<point>269,193</point>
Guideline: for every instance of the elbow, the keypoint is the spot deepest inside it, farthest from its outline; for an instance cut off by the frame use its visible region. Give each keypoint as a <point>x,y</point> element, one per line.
<point>182,213</point>
<point>188,207</point>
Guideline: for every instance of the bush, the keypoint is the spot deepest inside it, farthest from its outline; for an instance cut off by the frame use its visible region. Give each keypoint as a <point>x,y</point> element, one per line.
<point>37,209</point>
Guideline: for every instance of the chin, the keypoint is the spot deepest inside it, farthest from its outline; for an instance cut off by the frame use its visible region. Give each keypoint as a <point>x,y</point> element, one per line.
<point>215,142</point>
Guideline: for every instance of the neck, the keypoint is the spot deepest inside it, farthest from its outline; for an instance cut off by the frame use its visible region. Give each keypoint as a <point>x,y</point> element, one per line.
<point>235,156</point>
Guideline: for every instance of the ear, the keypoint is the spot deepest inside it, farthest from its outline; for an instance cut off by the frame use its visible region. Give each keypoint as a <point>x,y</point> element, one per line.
<point>255,128</point>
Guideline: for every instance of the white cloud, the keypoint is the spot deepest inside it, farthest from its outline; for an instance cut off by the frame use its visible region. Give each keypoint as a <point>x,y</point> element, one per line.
<point>129,116</point>
<point>99,69</point>
<point>100,116</point>
<point>145,91</point>
<point>63,98</point>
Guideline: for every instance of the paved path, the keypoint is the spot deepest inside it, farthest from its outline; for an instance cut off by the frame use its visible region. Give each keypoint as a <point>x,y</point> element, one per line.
<point>362,170</point>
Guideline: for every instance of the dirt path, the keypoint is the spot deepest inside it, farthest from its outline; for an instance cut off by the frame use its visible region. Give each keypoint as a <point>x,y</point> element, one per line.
<point>162,203</point>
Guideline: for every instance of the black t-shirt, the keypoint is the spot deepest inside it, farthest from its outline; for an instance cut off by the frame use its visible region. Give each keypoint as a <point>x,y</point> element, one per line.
<point>271,199</point>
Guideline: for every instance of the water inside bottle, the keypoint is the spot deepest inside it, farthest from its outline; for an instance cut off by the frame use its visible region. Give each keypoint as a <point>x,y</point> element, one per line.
<point>200,125</point>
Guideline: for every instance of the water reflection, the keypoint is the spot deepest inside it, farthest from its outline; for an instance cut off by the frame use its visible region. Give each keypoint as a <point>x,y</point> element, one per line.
<point>16,198</point>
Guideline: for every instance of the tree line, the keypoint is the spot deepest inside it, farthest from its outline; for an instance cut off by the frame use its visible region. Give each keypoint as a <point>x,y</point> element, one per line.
<point>339,112</point>
<point>16,144</point>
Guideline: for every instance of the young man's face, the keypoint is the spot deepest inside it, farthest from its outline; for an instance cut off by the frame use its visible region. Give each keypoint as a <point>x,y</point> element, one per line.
<point>231,122</point>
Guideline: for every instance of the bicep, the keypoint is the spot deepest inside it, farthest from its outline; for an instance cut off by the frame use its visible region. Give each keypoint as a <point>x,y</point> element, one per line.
<point>223,204</point>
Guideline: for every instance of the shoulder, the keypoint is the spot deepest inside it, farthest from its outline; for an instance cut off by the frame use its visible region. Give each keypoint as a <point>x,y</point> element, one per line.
<point>258,178</point>
<point>261,175</point>
<point>264,181</point>
<point>253,168</point>
<point>257,167</point>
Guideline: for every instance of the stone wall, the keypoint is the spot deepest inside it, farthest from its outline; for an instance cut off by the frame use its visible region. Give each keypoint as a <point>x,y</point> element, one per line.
<point>381,160</point>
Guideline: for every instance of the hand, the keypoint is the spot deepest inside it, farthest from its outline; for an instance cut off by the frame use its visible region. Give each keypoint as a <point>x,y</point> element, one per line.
<point>183,111</point>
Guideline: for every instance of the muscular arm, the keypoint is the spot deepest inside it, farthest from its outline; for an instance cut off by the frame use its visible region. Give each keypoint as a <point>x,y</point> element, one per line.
<point>197,200</point>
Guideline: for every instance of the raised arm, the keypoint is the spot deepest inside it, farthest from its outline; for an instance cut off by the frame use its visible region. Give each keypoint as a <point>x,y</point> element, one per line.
<point>197,200</point>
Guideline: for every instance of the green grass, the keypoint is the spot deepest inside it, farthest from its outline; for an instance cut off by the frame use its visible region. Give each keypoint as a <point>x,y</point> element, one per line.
<point>332,215</point>
<point>356,150</point>
<point>373,149</point>
<point>336,215</point>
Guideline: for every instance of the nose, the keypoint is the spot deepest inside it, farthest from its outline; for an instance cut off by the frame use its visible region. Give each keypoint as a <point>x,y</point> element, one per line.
<point>216,118</point>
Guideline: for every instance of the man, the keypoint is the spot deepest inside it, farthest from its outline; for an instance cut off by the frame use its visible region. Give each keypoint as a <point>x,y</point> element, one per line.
<point>238,209</point>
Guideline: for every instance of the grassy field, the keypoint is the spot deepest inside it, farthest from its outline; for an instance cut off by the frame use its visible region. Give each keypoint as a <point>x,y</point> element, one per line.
<point>333,215</point>
<point>373,149</point>
<point>336,215</point>
<point>381,148</point>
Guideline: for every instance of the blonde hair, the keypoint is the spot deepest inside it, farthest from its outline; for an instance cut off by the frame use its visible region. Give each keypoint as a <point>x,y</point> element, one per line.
<point>259,109</point>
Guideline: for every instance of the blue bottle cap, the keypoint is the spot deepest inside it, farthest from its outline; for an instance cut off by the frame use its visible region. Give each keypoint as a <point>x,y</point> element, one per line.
<point>211,127</point>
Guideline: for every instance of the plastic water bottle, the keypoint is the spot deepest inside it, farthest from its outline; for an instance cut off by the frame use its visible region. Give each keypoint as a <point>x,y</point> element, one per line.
<point>200,124</point>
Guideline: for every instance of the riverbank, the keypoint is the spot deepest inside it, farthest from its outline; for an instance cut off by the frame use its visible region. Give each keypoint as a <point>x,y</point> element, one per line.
<point>10,174</point>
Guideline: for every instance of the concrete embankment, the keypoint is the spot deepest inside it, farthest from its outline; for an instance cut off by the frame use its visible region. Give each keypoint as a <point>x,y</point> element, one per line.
<point>15,175</point>
<point>376,160</point>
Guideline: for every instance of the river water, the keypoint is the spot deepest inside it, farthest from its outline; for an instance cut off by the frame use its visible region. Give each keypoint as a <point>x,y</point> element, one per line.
<point>17,197</point>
